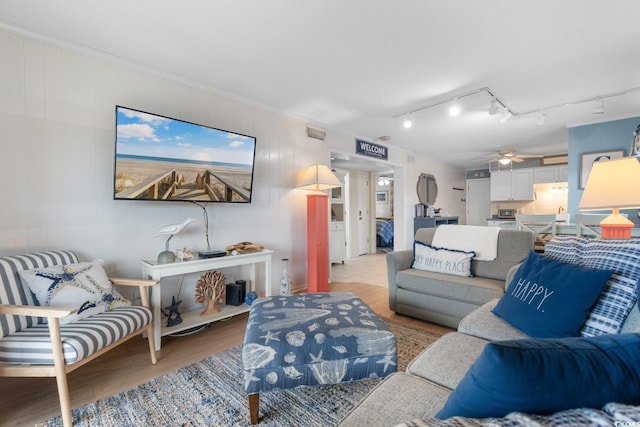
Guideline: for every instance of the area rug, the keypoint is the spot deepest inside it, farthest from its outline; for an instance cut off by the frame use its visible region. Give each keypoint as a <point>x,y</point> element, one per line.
<point>210,393</point>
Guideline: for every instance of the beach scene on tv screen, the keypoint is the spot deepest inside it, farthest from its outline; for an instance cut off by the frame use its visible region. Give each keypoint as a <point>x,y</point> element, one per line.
<point>159,158</point>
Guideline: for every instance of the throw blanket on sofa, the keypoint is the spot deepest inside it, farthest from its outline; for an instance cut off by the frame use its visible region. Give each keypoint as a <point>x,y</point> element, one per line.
<point>479,239</point>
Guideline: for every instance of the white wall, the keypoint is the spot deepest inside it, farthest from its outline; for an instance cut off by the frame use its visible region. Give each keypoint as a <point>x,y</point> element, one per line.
<point>56,163</point>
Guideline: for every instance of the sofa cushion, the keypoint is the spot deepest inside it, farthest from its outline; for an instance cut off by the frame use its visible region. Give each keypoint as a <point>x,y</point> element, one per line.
<point>80,339</point>
<point>446,361</point>
<point>442,260</point>
<point>543,376</point>
<point>550,299</point>
<point>83,286</point>
<point>398,397</point>
<point>482,323</point>
<point>475,290</point>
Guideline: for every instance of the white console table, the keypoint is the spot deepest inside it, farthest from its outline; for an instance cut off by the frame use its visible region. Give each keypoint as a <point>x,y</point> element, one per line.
<point>152,270</point>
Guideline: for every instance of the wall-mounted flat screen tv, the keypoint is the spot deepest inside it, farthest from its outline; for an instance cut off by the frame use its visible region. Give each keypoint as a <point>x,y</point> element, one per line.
<point>160,158</point>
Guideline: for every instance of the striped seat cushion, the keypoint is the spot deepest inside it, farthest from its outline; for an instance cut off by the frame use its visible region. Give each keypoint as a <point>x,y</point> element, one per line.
<point>12,291</point>
<point>79,339</point>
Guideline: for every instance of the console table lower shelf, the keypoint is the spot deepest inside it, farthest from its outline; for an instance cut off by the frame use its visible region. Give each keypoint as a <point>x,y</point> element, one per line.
<point>190,319</point>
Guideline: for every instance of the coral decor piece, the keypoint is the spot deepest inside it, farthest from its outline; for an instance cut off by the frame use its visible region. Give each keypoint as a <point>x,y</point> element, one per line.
<point>211,288</point>
<point>243,248</point>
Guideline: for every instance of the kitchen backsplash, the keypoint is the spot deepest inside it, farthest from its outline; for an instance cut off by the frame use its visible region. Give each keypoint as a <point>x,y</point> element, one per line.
<point>549,198</point>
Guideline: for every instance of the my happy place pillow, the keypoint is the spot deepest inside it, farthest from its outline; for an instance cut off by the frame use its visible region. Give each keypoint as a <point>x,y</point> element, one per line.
<point>549,298</point>
<point>544,376</point>
<point>441,260</point>
<point>83,286</point>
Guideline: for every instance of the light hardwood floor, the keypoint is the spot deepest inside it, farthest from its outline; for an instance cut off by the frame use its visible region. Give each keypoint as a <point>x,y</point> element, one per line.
<point>30,401</point>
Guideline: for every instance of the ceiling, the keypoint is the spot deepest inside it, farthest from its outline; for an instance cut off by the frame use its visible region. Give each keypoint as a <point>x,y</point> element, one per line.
<point>353,65</point>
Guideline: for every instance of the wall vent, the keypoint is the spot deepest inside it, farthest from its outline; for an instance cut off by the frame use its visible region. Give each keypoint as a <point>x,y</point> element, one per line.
<point>316,133</point>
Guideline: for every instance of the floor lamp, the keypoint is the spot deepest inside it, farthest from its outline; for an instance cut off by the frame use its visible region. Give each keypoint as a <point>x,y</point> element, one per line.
<point>318,178</point>
<point>613,184</point>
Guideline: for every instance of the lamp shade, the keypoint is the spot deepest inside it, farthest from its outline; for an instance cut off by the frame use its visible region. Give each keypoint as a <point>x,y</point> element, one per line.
<point>612,184</point>
<point>318,177</point>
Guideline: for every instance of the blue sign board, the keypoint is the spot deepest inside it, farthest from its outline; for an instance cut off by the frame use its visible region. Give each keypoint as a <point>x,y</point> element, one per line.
<point>371,150</point>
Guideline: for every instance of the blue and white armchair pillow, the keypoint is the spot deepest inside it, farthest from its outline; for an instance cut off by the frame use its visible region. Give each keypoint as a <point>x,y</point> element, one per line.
<point>83,286</point>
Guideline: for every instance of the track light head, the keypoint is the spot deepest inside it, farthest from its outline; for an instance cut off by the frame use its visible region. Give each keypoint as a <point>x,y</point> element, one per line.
<point>455,109</point>
<point>542,116</point>
<point>599,108</point>
<point>407,123</point>
<point>494,108</point>
<point>505,116</point>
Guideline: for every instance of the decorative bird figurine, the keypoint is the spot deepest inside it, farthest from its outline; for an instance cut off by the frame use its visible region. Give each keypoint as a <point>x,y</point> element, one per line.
<point>170,230</point>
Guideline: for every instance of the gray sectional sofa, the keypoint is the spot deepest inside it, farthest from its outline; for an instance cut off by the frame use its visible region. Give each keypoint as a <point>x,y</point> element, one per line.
<point>446,299</point>
<point>412,398</point>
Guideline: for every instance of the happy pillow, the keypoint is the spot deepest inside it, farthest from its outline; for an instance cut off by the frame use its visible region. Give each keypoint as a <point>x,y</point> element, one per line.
<point>442,260</point>
<point>83,286</point>
<point>544,376</point>
<point>549,298</point>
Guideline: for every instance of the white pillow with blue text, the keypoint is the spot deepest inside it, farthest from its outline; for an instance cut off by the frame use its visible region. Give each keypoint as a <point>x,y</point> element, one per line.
<point>442,260</point>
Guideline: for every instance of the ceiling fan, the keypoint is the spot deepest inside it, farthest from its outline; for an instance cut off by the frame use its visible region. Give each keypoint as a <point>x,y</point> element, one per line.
<point>507,155</point>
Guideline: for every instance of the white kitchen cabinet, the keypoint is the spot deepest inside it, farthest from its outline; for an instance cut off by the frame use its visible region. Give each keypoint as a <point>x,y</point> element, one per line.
<point>337,242</point>
<point>516,184</point>
<point>548,174</point>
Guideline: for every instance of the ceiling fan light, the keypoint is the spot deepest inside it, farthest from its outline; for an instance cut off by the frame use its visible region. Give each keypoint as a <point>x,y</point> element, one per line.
<point>504,161</point>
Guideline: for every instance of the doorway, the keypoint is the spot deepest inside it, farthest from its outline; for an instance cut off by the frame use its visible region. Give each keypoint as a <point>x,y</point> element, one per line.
<point>363,203</point>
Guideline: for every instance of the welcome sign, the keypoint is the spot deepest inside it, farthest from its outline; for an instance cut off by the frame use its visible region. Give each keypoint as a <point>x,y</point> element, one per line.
<point>371,150</point>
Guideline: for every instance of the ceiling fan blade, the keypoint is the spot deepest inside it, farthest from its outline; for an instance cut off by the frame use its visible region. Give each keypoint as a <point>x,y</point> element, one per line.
<point>516,159</point>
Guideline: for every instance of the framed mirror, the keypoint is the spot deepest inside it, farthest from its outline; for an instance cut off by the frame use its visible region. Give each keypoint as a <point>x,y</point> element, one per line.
<point>427,189</point>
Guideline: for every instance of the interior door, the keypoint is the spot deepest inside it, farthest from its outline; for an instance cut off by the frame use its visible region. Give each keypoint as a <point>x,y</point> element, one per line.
<point>478,201</point>
<point>363,210</point>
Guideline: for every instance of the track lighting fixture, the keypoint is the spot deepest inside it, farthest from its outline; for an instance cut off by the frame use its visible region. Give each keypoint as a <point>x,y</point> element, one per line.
<point>407,123</point>
<point>455,109</point>
<point>542,116</point>
<point>496,105</point>
<point>494,108</point>
<point>599,108</point>
<point>506,115</point>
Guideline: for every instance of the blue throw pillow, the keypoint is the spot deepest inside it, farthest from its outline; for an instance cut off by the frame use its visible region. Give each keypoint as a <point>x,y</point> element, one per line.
<point>549,298</point>
<point>543,376</point>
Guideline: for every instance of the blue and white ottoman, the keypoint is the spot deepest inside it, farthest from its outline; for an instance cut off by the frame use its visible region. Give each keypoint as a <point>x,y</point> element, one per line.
<point>313,339</point>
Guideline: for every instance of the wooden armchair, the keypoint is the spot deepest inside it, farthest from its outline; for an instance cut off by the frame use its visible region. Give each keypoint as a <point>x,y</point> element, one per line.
<point>34,343</point>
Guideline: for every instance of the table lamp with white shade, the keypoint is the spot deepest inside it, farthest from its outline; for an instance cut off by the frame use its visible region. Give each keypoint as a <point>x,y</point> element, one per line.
<point>615,185</point>
<point>318,178</point>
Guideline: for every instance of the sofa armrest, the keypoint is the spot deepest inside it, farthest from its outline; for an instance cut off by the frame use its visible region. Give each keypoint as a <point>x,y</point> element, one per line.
<point>396,261</point>
<point>512,272</point>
